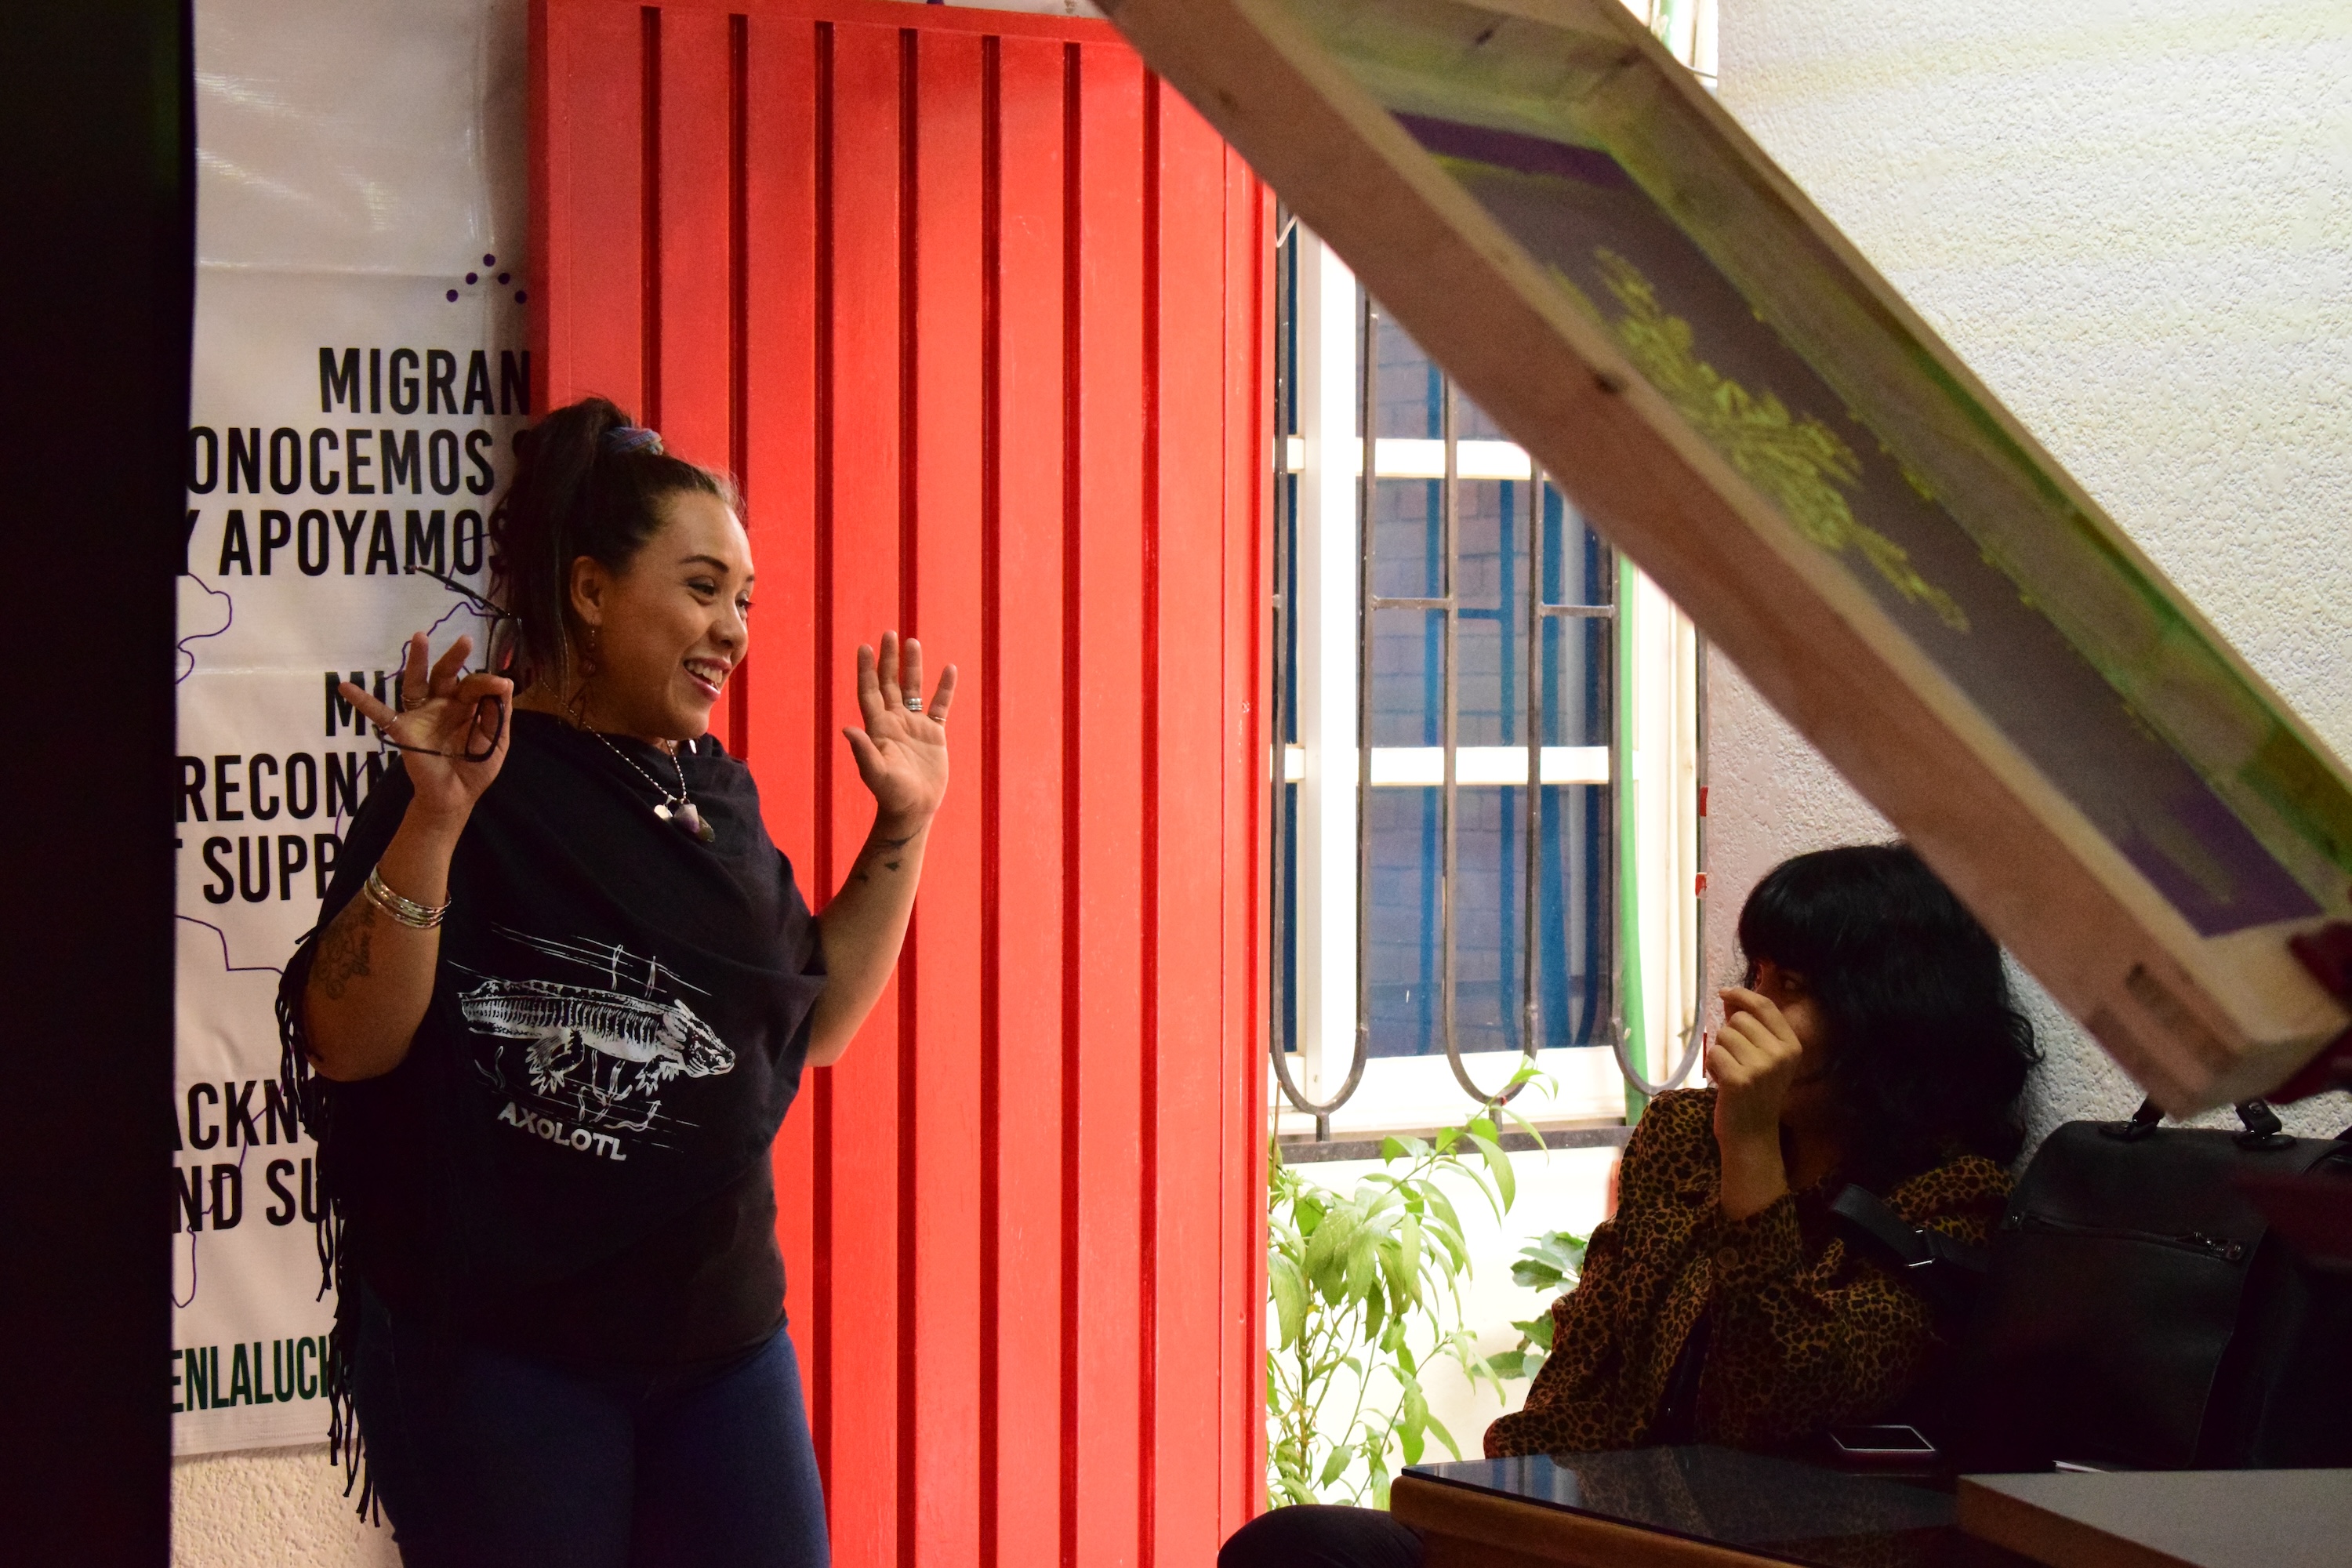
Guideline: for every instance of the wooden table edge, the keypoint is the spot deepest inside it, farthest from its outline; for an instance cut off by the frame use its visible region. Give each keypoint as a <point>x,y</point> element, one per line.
<point>2005,1520</point>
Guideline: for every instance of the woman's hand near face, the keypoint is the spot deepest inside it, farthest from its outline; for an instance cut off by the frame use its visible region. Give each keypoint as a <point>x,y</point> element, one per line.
<point>902,752</point>
<point>1752,1062</point>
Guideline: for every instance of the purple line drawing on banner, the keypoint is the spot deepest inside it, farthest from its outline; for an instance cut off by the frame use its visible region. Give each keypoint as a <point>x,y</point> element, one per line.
<point>188,654</point>
<point>228,966</point>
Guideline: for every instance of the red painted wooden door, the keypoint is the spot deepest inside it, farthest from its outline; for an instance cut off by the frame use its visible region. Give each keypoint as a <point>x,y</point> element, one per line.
<point>976,311</point>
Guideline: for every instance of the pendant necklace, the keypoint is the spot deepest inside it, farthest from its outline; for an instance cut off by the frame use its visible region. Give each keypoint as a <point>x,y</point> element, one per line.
<point>678,808</point>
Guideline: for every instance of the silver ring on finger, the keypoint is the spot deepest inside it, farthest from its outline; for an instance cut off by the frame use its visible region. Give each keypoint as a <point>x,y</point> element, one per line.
<point>914,705</point>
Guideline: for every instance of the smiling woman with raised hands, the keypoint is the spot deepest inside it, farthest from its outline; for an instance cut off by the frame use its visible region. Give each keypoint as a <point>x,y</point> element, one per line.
<point>559,999</point>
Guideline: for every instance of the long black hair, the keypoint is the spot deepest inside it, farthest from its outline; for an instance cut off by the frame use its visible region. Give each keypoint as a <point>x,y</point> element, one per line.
<point>588,481</point>
<point>1928,1054</point>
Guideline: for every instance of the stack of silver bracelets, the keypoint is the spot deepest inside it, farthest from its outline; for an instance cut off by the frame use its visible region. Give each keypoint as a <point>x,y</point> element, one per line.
<point>407,911</point>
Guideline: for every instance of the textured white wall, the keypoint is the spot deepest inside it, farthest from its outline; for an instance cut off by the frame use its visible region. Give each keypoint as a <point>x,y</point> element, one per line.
<point>2134,219</point>
<point>273,1507</point>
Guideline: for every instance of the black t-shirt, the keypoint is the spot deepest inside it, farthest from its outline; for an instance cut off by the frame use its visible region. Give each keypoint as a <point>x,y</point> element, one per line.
<point>573,1161</point>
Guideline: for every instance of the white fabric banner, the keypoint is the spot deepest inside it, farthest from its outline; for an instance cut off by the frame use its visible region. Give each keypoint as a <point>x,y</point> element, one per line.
<point>358,375</point>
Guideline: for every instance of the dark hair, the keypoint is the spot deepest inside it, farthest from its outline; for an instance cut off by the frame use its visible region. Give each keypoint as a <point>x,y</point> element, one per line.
<point>587,482</point>
<point>1927,1053</point>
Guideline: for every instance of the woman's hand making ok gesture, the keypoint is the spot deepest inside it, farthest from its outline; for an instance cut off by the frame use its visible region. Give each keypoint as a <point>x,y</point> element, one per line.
<point>451,727</point>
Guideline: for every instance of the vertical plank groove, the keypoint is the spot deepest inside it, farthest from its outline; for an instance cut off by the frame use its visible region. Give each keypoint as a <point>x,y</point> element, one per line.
<point>739,253</point>
<point>1073,164</point>
<point>1148,871</point>
<point>821,1106</point>
<point>650,20</point>
<point>909,602</point>
<point>992,788</point>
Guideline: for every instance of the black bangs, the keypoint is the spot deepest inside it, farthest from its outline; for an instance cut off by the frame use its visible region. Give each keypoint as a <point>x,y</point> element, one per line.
<point>1928,1054</point>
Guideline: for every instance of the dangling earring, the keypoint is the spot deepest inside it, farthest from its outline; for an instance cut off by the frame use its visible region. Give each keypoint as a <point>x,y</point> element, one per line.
<point>578,707</point>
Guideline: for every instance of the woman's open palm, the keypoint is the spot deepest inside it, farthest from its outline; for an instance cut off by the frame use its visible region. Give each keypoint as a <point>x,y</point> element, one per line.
<point>451,726</point>
<point>902,751</point>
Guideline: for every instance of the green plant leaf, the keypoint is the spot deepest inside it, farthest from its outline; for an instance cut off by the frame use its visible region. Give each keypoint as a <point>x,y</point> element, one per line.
<point>1334,1468</point>
<point>1363,1265</point>
<point>1325,1264</point>
<point>1444,1436</point>
<point>1412,1421</point>
<point>1498,1165</point>
<point>1289,1298</point>
<point>1509,1364</point>
<point>1525,1126</point>
<point>1307,1211</point>
<point>1535,1274</point>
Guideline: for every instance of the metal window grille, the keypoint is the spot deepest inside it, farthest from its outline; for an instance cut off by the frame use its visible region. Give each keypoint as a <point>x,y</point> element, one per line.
<point>1478,584</point>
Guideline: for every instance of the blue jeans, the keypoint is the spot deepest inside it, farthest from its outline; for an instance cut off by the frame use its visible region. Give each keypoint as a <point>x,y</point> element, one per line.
<point>480,1457</point>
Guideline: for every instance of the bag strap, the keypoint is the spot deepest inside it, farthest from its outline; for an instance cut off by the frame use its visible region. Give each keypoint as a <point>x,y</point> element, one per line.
<point>1932,1262</point>
<point>2263,1129</point>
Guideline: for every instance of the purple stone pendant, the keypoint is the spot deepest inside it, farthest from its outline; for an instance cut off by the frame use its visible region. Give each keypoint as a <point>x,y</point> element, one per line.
<point>691,820</point>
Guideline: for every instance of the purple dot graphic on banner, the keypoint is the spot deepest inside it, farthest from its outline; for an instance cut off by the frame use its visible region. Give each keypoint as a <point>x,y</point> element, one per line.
<point>503,277</point>
<point>522,298</point>
<point>473,278</point>
<point>453,296</point>
<point>489,261</point>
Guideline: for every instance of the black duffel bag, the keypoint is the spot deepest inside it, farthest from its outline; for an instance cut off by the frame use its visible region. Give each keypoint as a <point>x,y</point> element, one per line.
<point>2140,1313</point>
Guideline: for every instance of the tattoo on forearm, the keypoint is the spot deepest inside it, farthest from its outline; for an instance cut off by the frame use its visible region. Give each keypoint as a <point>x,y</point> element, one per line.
<point>875,846</point>
<point>344,951</point>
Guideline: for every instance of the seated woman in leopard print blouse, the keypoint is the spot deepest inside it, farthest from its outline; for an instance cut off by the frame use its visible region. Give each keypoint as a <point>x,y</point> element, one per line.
<point>1875,1042</point>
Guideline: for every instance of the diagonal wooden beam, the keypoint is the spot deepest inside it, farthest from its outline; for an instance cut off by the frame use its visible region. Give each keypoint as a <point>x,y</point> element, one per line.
<point>1566,220</point>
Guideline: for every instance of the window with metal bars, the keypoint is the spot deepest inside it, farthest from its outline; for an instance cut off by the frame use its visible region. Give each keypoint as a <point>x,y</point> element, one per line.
<point>1463,862</point>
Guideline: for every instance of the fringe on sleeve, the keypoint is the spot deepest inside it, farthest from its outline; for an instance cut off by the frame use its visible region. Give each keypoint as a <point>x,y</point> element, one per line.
<point>304,1088</point>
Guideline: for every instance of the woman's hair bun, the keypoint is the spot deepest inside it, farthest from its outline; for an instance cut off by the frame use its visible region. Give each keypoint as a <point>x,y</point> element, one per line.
<point>588,480</point>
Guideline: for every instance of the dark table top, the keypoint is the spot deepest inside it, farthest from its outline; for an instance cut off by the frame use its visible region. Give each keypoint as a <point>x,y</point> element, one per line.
<point>1773,1507</point>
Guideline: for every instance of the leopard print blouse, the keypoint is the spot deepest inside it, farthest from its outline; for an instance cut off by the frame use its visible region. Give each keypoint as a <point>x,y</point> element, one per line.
<point>1805,1331</point>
